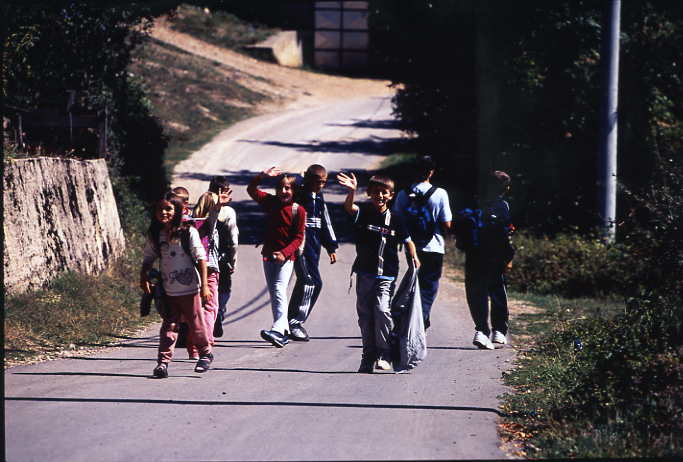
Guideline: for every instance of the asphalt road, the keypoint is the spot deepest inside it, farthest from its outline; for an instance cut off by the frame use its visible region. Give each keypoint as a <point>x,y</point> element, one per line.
<point>302,402</point>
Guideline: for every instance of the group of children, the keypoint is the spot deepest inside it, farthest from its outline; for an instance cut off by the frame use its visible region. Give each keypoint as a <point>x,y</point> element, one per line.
<point>197,256</point>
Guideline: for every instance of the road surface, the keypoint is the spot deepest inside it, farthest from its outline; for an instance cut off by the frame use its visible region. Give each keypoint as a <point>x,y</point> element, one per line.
<point>302,402</point>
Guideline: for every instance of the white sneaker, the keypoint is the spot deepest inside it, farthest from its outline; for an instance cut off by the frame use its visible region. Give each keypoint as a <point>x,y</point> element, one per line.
<point>482,341</point>
<point>499,337</point>
<point>383,364</point>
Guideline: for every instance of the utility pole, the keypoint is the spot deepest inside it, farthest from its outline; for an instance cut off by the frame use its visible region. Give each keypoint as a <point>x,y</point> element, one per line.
<point>607,172</point>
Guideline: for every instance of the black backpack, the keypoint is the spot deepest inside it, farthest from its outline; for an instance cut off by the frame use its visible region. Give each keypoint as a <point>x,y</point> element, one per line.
<point>481,230</point>
<point>418,217</point>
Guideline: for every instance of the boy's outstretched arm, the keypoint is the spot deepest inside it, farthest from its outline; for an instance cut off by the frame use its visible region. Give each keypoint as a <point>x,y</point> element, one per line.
<point>350,183</point>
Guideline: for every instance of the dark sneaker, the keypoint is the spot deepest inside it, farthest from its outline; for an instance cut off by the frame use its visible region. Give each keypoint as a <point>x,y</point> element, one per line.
<point>204,363</point>
<point>366,367</point>
<point>274,337</point>
<point>161,371</point>
<point>298,333</point>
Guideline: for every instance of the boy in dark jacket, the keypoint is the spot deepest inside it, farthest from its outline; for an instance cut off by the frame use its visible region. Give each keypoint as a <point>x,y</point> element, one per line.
<point>485,266</point>
<point>378,234</point>
<point>319,233</point>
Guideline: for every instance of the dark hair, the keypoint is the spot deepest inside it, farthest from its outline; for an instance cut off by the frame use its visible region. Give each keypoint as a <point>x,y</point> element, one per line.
<point>177,225</point>
<point>423,166</point>
<point>498,182</point>
<point>217,183</point>
<point>381,182</point>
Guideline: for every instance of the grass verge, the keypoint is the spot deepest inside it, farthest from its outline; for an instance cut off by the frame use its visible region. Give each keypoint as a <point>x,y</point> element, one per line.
<point>76,312</point>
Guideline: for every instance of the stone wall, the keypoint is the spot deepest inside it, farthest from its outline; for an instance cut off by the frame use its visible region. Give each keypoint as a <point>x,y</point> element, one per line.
<point>59,214</point>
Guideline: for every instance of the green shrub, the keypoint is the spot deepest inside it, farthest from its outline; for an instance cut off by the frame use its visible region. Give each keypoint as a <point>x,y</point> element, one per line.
<point>570,265</point>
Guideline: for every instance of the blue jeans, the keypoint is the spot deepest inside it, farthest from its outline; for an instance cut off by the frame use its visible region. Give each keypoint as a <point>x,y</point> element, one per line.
<point>277,279</point>
<point>428,275</point>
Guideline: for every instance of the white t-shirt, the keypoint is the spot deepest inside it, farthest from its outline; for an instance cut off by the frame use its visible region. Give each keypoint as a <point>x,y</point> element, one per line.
<point>178,272</point>
<point>438,204</point>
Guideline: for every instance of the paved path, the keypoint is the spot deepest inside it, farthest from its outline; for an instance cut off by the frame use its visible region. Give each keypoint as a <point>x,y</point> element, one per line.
<point>303,402</point>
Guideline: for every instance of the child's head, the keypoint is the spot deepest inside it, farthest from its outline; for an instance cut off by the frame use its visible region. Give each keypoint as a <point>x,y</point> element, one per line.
<point>497,183</point>
<point>184,195</point>
<point>204,204</point>
<point>219,184</point>
<point>424,168</point>
<point>168,211</point>
<point>381,191</point>
<point>315,178</point>
<point>285,188</point>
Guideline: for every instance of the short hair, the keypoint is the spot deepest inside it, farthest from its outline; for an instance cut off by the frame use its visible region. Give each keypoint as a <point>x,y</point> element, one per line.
<point>498,181</point>
<point>217,183</point>
<point>204,204</point>
<point>380,181</point>
<point>181,192</point>
<point>423,166</point>
<point>314,170</point>
<point>286,177</point>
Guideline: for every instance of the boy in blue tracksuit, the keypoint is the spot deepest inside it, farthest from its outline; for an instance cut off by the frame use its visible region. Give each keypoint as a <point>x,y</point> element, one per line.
<point>319,233</point>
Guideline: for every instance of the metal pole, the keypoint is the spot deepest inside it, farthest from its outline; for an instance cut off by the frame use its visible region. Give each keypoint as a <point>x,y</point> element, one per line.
<point>607,179</point>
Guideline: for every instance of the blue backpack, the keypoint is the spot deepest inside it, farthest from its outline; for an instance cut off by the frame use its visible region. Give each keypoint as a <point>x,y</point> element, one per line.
<point>418,217</point>
<point>481,230</point>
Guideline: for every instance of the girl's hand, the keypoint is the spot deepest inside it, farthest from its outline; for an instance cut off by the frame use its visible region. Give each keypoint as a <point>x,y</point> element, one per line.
<point>348,181</point>
<point>333,258</point>
<point>272,171</point>
<point>279,257</point>
<point>205,294</point>
<point>416,262</point>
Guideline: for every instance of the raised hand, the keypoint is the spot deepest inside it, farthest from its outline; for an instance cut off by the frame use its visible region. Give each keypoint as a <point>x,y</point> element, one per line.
<point>225,197</point>
<point>272,171</point>
<point>348,181</point>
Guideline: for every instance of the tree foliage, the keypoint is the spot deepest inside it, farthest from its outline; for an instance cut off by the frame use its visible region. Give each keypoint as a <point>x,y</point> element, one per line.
<point>52,47</point>
<point>538,64</point>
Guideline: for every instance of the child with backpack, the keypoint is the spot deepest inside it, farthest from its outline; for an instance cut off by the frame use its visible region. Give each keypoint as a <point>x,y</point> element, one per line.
<point>204,218</point>
<point>319,233</point>
<point>426,212</point>
<point>185,287</point>
<point>284,235</point>
<point>484,235</point>
<point>377,233</point>
<point>228,237</point>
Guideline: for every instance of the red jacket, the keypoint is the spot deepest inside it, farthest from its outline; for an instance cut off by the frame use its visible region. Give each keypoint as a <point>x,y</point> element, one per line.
<point>281,233</point>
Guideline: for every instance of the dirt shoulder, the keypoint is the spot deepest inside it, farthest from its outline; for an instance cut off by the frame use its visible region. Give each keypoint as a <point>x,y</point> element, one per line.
<point>289,88</point>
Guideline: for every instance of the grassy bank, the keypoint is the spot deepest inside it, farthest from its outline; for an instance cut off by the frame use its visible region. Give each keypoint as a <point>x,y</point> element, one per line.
<point>76,312</point>
<point>195,98</point>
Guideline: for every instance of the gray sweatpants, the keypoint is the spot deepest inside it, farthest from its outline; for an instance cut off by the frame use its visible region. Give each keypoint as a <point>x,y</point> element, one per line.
<point>373,304</point>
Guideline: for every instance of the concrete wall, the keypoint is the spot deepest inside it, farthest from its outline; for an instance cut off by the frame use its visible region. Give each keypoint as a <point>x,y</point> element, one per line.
<point>59,214</point>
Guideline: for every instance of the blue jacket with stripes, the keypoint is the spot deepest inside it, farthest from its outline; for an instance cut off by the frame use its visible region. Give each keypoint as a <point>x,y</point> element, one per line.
<point>319,231</point>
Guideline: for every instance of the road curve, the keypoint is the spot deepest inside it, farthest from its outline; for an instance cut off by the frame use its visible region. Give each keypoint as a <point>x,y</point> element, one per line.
<point>302,402</point>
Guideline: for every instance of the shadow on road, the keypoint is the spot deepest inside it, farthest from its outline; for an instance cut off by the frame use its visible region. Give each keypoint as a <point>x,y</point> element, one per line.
<point>372,145</point>
<point>262,403</point>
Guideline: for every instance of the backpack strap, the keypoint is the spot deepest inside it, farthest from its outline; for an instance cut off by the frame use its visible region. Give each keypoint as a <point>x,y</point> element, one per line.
<point>429,193</point>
